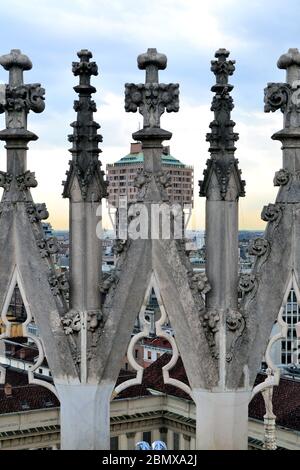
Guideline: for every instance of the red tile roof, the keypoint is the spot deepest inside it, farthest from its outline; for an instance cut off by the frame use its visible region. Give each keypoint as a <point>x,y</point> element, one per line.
<point>24,397</point>
<point>157,343</point>
<point>286,403</point>
<point>286,397</point>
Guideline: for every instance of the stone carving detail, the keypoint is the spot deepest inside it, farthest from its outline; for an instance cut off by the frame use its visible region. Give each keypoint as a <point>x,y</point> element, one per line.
<point>210,323</point>
<point>107,283</point>
<point>151,98</point>
<point>163,181</point>
<point>285,96</point>
<point>222,138</point>
<point>42,244</point>
<point>48,246</point>
<point>246,283</point>
<point>95,319</point>
<point>5,180</point>
<point>258,247</point>
<point>84,67</point>
<point>222,68</point>
<point>199,282</point>
<point>71,322</point>
<point>276,97</point>
<point>271,213</point>
<point>235,324</point>
<point>281,178</point>
<point>25,98</point>
<point>26,180</point>
<point>141,181</point>
<point>59,284</point>
<point>37,212</point>
<point>119,246</point>
<point>85,165</point>
<point>234,320</point>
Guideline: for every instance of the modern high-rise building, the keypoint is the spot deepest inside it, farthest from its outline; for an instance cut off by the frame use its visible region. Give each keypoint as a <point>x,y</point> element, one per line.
<point>121,174</point>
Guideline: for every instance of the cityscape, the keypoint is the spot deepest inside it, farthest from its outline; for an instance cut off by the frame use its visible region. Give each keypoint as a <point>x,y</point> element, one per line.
<point>150,230</point>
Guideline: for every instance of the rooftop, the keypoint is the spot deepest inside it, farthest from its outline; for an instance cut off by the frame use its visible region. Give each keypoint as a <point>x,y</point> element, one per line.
<point>136,156</point>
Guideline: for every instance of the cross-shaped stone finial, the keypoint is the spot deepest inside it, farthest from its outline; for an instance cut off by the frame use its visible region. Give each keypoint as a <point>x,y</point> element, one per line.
<point>84,69</point>
<point>291,62</point>
<point>152,98</point>
<point>152,61</point>
<point>222,67</point>
<point>18,99</point>
<point>15,62</point>
<point>285,96</point>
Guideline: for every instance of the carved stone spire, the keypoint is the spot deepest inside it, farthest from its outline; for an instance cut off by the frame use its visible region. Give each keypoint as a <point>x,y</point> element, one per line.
<point>85,164</point>
<point>222,138</point>
<point>277,266</point>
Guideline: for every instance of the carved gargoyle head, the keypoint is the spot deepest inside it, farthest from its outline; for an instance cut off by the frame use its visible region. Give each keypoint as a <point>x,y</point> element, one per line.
<point>247,282</point>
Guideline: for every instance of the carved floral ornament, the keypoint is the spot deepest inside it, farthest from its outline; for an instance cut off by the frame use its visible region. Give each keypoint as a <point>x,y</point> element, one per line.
<point>151,99</point>
<point>142,178</point>
<point>26,180</point>
<point>37,212</point>
<point>199,282</point>
<point>24,98</point>
<point>71,321</point>
<point>163,179</point>
<point>210,323</point>
<point>58,283</point>
<point>48,246</point>
<point>222,67</point>
<point>276,96</point>
<point>5,180</point>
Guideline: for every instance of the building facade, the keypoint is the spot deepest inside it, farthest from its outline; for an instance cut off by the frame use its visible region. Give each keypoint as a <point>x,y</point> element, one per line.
<point>121,174</point>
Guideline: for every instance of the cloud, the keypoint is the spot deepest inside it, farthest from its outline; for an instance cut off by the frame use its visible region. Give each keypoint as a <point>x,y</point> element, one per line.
<point>163,21</point>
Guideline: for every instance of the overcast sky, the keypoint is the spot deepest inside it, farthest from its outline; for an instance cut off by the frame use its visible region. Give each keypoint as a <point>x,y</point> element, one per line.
<point>188,32</point>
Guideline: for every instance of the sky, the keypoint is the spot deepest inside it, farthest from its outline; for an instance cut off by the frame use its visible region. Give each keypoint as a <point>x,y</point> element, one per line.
<point>189,32</point>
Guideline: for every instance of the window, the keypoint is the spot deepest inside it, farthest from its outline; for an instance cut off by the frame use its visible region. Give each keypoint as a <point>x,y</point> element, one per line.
<point>175,441</point>
<point>114,443</point>
<point>136,353</point>
<point>149,355</point>
<point>147,437</point>
<point>290,344</point>
<point>40,370</point>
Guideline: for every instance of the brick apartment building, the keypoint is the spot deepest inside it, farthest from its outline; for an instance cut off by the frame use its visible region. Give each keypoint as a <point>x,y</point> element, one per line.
<point>121,174</point>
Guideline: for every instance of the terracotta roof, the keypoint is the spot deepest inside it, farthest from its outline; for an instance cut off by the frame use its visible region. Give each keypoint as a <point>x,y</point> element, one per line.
<point>157,343</point>
<point>25,397</point>
<point>286,397</point>
<point>153,379</point>
<point>286,403</point>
